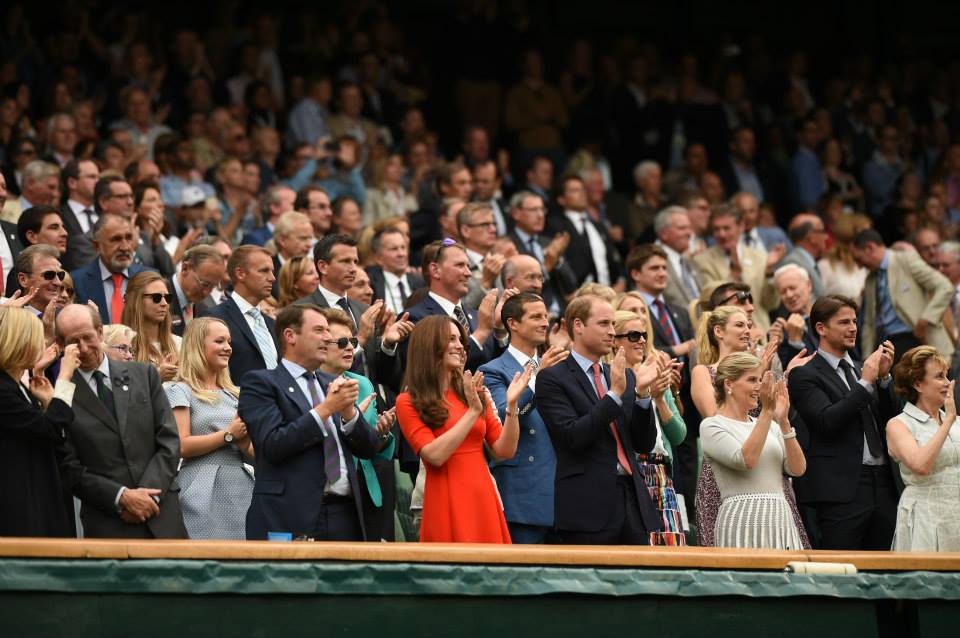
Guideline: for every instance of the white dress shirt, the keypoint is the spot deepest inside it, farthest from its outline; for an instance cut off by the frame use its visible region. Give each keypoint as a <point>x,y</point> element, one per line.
<point>391,291</point>
<point>598,249</point>
<point>245,307</point>
<point>522,359</point>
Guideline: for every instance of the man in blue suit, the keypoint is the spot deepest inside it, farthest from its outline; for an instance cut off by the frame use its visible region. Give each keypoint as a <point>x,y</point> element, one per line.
<point>526,480</point>
<point>306,429</point>
<point>598,423</point>
<point>104,281</point>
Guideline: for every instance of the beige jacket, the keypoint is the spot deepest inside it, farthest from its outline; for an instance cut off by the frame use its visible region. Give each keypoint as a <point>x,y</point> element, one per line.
<point>713,266</point>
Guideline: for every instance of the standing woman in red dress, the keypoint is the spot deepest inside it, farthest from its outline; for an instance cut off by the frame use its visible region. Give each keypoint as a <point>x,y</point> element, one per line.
<point>446,416</point>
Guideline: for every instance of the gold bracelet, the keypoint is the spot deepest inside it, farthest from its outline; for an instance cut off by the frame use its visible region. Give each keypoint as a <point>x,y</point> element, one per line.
<point>517,413</point>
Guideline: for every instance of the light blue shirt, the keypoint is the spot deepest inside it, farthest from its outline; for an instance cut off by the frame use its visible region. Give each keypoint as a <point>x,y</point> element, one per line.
<point>888,322</point>
<point>810,183</point>
<point>587,366</point>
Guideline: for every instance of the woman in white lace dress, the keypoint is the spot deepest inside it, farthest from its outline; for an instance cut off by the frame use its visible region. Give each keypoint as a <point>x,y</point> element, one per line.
<point>749,456</point>
<point>925,441</point>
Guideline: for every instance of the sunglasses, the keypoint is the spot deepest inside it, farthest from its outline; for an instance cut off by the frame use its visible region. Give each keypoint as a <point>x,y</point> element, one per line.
<point>633,336</point>
<point>155,297</point>
<point>342,342</point>
<point>48,275</point>
<point>740,296</point>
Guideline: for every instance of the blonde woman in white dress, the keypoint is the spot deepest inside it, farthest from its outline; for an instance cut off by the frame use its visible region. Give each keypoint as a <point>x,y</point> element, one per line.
<point>749,456</point>
<point>925,440</point>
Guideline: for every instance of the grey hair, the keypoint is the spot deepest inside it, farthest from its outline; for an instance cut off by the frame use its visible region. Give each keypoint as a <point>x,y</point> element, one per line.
<point>517,200</point>
<point>38,169</point>
<point>664,218</point>
<point>788,268</point>
<point>950,247</point>
<point>640,170</point>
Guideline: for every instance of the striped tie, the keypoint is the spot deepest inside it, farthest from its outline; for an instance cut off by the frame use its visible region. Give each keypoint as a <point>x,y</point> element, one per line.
<point>331,453</point>
<point>664,320</point>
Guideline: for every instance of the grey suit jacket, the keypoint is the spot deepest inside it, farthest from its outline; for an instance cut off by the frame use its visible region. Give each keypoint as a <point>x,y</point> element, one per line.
<point>676,293</point>
<point>138,448</point>
<point>798,258</point>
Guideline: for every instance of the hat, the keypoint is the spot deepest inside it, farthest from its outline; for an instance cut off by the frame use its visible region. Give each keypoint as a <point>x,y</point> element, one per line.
<point>192,196</point>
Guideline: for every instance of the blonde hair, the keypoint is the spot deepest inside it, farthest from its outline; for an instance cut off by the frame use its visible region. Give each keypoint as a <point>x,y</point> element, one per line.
<point>113,332</point>
<point>708,348</point>
<point>193,365</point>
<point>622,317</point>
<point>135,317</point>
<point>732,367</point>
<point>912,369</point>
<point>21,339</point>
<point>597,290</point>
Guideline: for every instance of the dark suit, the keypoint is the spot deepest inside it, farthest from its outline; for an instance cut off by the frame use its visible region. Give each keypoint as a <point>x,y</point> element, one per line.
<point>476,355</point>
<point>31,497</point>
<point>258,236</point>
<point>288,493</point>
<point>855,503</point>
<point>82,252</point>
<point>79,253</point>
<point>88,286</point>
<point>378,282</point>
<point>590,495</point>
<point>579,256</point>
<point>246,354</point>
<point>13,241</point>
<point>178,325</point>
<point>138,448</point>
<point>559,282</point>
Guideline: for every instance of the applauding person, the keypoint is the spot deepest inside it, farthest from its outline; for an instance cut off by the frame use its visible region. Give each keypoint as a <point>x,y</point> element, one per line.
<point>925,440</point>
<point>447,416</point>
<point>215,490</point>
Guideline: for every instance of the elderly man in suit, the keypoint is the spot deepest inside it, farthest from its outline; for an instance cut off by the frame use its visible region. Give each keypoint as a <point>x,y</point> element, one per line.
<point>389,277</point>
<point>674,234</point>
<point>122,450</point>
<point>904,299</point>
<point>809,237</point>
<point>201,271</point>
<point>525,481</point>
<point>598,423</point>
<point>251,332</point>
<point>104,281</point>
<point>306,429</point>
<point>793,316</point>
<point>729,260</point>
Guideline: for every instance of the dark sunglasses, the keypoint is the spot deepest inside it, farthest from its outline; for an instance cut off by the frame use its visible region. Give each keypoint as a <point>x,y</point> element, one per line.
<point>633,336</point>
<point>155,297</point>
<point>343,341</point>
<point>48,275</point>
<point>740,296</point>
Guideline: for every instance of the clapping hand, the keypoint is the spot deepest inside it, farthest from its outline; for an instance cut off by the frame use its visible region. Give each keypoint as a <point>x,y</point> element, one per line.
<point>19,300</point>
<point>385,422</point>
<point>950,406</point>
<point>168,367</point>
<point>553,355</point>
<point>768,393</point>
<point>781,413</point>
<point>618,373</point>
<point>498,311</point>
<point>485,318</point>
<point>647,372</point>
<point>368,321</point>
<point>517,385</point>
<point>769,352</point>
<point>800,359</point>
<point>398,330</point>
<point>559,337</point>
<point>41,388</point>
<point>471,392</point>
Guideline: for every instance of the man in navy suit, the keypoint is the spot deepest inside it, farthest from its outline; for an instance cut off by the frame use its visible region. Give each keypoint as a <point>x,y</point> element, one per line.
<point>598,424</point>
<point>104,281</point>
<point>389,278</point>
<point>306,429</point>
<point>526,480</point>
<point>251,332</point>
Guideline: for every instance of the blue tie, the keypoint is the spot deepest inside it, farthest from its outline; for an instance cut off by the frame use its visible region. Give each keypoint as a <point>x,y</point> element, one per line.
<point>261,333</point>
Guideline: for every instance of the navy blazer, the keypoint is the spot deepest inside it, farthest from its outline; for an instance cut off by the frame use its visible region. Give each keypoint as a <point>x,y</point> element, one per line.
<point>88,286</point>
<point>287,495</point>
<point>833,418</point>
<point>258,237</point>
<point>246,353</point>
<point>476,355</point>
<point>526,480</point>
<point>579,425</point>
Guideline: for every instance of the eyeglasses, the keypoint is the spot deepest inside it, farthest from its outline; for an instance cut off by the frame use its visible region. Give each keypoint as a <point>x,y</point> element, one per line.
<point>342,342</point>
<point>205,285</point>
<point>740,296</point>
<point>488,224</point>
<point>633,336</point>
<point>122,348</point>
<point>48,275</point>
<point>155,297</point>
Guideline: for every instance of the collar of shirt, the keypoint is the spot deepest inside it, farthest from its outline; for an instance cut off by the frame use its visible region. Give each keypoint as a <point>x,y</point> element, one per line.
<point>25,203</point>
<point>106,274</point>
<point>295,369</point>
<point>885,262</point>
<point>178,291</point>
<point>445,304</point>
<point>524,237</point>
<point>331,297</point>
<point>834,360</point>
<point>577,218</point>
<point>521,358</point>
<point>78,208</point>
<point>392,280</point>
<point>584,363</point>
<point>476,258</point>
<point>650,300</point>
<point>87,375</point>
<point>242,303</point>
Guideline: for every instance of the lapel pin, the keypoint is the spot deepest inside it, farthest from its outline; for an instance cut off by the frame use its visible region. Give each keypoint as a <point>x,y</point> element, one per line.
<point>290,389</point>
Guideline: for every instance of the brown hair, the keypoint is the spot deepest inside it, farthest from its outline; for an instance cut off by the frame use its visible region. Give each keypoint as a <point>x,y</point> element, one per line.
<point>240,256</point>
<point>290,274</point>
<point>423,379</point>
<point>828,305</point>
<point>133,316</point>
<point>580,307</point>
<point>911,369</point>
<point>641,255</point>
<point>844,228</point>
<point>433,253</point>
<point>292,317</point>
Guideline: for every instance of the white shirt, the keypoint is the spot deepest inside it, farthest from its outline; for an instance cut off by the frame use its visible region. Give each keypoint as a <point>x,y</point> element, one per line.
<point>756,242</point>
<point>342,485</point>
<point>391,291</point>
<point>6,259</point>
<point>598,249</point>
<point>78,209</point>
<point>245,307</point>
<point>522,359</point>
<point>476,262</point>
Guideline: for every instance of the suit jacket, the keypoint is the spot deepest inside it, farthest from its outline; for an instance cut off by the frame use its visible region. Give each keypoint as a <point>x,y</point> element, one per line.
<point>917,291</point>
<point>74,258</point>
<point>834,420</point>
<point>476,355</point>
<point>138,448</point>
<point>800,259</point>
<point>681,323</point>
<point>290,459</point>
<point>676,292</point>
<point>88,286</point>
<point>378,282</point>
<point>713,266</point>
<point>578,254</point>
<point>13,241</point>
<point>176,311</point>
<point>579,425</point>
<point>32,502</point>
<point>246,354</point>
<point>559,282</point>
<point>526,481</point>
<point>258,236</point>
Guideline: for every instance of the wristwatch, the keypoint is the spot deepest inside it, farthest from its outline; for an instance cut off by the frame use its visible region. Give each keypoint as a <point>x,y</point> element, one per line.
<point>227,437</point>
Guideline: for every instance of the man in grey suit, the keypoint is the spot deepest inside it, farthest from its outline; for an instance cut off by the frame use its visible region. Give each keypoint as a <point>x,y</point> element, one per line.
<point>122,451</point>
<point>202,269</point>
<point>674,232</point>
<point>809,239</point>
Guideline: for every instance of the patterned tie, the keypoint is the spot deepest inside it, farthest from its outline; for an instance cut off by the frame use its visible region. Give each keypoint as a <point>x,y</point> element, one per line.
<point>461,318</point>
<point>664,320</point>
<point>535,249</point>
<point>688,279</point>
<point>116,301</point>
<point>869,430</point>
<point>104,393</point>
<point>261,333</point>
<point>621,454</point>
<point>331,453</point>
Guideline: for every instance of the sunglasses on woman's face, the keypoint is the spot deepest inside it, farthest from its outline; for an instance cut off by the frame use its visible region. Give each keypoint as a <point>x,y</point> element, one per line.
<point>633,336</point>
<point>342,342</point>
<point>155,297</point>
<point>48,275</point>
<point>741,296</point>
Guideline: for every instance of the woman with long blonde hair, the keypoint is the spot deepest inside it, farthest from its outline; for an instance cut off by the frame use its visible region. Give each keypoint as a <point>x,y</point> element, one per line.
<point>215,489</point>
<point>146,311</point>
<point>298,279</point>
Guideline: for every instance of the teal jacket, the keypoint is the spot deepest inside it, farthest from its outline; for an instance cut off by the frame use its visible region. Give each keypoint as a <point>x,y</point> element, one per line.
<point>370,416</point>
<point>674,430</point>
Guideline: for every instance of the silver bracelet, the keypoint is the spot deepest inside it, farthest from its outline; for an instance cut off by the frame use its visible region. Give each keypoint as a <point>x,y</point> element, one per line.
<point>792,434</point>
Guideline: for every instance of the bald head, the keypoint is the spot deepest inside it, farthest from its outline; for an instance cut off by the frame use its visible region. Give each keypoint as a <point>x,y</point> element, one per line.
<point>523,272</point>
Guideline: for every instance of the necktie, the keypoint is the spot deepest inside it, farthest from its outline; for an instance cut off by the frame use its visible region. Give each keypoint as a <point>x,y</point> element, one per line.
<point>345,306</point>
<point>583,226</point>
<point>664,320</point>
<point>534,245</point>
<point>116,301</point>
<point>869,429</point>
<point>881,297</point>
<point>331,453</point>
<point>403,293</point>
<point>461,318</point>
<point>104,393</point>
<point>621,453</point>
<point>748,240</point>
<point>689,280</point>
<point>90,221</point>
<point>268,349</point>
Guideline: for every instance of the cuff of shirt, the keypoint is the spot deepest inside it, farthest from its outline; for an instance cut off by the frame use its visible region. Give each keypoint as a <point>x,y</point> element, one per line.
<point>347,426</point>
<point>116,501</point>
<point>797,344</point>
<point>615,397</point>
<point>871,388</point>
<point>388,350</point>
<point>64,390</point>
<point>644,402</point>
<point>474,339</point>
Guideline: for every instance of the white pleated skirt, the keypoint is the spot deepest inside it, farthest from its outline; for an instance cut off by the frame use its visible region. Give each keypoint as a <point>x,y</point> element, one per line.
<point>757,520</point>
